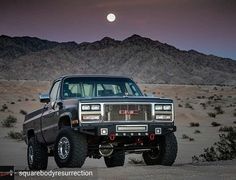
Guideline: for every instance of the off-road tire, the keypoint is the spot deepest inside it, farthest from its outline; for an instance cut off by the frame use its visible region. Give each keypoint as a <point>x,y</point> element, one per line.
<point>40,155</point>
<point>166,154</point>
<point>78,149</point>
<point>116,159</point>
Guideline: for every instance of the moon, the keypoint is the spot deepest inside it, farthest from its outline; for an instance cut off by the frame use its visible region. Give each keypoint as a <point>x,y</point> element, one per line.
<point>111,17</point>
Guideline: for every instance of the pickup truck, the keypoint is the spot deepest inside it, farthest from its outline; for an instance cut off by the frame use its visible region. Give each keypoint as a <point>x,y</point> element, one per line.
<point>99,116</point>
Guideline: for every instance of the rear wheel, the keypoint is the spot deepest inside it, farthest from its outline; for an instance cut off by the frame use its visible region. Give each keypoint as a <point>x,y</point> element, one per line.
<point>70,149</point>
<point>116,159</point>
<point>165,153</point>
<point>37,155</point>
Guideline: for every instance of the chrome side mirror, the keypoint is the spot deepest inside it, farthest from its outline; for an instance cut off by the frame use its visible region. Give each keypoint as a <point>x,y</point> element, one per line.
<point>44,98</point>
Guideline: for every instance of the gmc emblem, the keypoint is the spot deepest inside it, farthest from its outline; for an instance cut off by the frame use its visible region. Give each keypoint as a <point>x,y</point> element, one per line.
<point>128,112</point>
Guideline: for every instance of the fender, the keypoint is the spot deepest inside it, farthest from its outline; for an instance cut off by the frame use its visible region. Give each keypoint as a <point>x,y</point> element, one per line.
<point>65,114</point>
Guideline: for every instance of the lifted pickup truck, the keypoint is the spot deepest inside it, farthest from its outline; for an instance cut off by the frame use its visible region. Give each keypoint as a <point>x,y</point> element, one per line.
<point>99,116</point>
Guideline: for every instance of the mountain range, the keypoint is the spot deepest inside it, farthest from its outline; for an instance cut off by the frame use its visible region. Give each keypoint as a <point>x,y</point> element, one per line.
<point>143,59</point>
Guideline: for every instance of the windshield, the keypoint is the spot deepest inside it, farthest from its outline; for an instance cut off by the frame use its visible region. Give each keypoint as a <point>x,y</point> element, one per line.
<point>99,86</point>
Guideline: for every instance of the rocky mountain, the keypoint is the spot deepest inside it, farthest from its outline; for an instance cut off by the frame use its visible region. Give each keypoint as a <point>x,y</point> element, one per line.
<point>145,60</point>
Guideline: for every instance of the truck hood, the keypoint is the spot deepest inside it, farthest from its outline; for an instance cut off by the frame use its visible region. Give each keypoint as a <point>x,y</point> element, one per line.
<point>125,99</point>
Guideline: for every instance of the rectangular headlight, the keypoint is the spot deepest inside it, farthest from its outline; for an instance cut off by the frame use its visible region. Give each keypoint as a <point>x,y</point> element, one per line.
<point>95,107</point>
<point>167,107</point>
<point>85,107</point>
<point>158,107</point>
<point>163,107</point>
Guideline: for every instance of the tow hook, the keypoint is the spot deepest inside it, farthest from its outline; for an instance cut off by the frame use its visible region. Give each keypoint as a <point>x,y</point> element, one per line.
<point>112,136</point>
<point>152,136</point>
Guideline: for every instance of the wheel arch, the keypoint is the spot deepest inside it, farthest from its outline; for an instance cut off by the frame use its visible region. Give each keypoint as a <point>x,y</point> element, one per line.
<point>29,133</point>
<point>64,120</point>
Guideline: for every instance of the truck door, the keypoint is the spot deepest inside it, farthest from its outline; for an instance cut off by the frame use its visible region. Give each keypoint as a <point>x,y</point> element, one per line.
<point>49,118</point>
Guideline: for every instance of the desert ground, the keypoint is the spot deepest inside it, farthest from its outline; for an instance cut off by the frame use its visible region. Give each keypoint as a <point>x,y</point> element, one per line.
<point>192,104</point>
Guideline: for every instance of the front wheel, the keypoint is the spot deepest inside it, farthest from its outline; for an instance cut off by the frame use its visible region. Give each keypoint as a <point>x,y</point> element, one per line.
<point>116,159</point>
<point>70,149</point>
<point>165,153</point>
<point>37,155</point>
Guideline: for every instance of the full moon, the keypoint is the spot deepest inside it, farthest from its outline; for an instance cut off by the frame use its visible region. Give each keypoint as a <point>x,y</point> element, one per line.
<point>111,17</point>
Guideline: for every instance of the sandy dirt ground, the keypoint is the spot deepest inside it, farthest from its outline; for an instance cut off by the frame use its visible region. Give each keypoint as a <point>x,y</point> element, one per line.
<point>190,101</point>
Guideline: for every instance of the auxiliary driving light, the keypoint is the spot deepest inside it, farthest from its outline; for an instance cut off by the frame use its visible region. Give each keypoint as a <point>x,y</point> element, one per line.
<point>104,131</point>
<point>157,130</point>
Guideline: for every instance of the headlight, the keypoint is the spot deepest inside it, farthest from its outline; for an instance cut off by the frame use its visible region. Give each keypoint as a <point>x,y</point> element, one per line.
<point>163,107</point>
<point>85,107</point>
<point>91,107</point>
<point>164,112</point>
<point>96,107</point>
<point>167,107</point>
<point>158,107</point>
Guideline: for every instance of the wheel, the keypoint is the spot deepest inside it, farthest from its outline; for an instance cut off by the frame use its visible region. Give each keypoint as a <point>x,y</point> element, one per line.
<point>37,155</point>
<point>70,149</point>
<point>116,159</point>
<point>165,153</point>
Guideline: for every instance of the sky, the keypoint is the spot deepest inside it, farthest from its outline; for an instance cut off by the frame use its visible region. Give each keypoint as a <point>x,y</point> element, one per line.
<point>208,26</point>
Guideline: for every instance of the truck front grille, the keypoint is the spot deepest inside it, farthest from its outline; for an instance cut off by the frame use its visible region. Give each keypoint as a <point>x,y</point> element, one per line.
<point>128,112</point>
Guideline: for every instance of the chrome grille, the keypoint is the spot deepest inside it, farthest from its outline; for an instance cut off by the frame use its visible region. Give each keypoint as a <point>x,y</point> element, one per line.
<point>127,112</point>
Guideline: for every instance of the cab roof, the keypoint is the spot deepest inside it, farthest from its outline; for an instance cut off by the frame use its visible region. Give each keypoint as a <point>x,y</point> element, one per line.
<point>92,76</point>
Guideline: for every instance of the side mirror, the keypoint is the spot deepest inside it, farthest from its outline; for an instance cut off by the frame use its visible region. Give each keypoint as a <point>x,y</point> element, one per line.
<point>44,98</point>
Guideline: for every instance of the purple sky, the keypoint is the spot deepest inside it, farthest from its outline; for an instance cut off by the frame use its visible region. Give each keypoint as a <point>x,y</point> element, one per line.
<point>208,26</point>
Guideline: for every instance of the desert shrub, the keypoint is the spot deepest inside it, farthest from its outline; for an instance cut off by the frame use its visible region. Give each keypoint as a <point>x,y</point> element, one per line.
<point>26,99</point>
<point>208,102</point>
<point>215,124</point>
<point>213,115</point>
<point>23,112</point>
<point>201,97</point>
<point>184,136</point>
<point>15,135</point>
<point>9,121</point>
<point>197,132</point>
<point>12,102</point>
<point>227,129</point>
<point>193,124</point>
<point>33,99</point>
<point>135,161</point>
<point>187,105</point>
<point>203,105</point>
<point>211,97</point>
<point>219,110</point>
<point>234,113</point>
<point>4,107</point>
<point>180,105</point>
<point>234,122</point>
<point>224,149</point>
<point>19,100</point>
